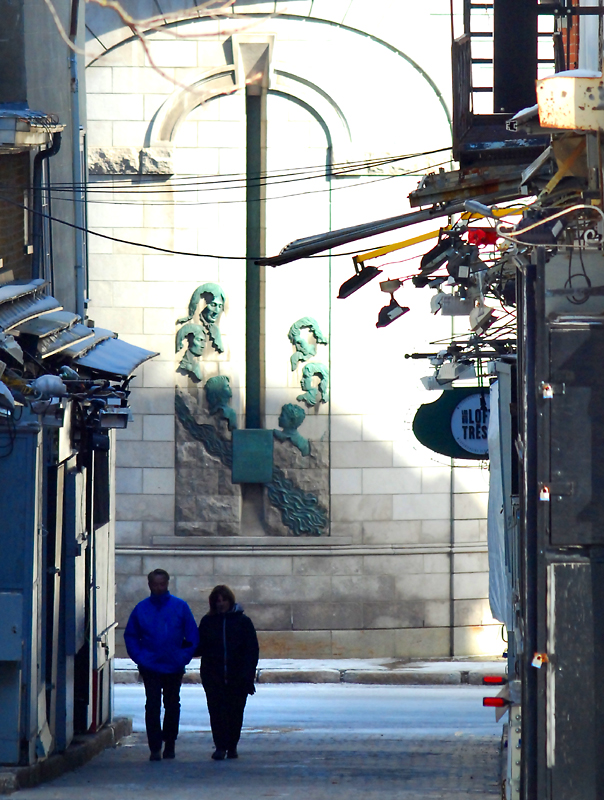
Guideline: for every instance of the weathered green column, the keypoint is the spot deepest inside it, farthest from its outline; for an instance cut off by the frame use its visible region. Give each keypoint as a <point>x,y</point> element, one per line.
<point>255,105</point>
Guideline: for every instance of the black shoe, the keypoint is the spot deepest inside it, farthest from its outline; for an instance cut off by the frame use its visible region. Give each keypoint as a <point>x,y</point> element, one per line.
<point>218,755</point>
<point>169,750</point>
<point>155,755</point>
<point>232,753</point>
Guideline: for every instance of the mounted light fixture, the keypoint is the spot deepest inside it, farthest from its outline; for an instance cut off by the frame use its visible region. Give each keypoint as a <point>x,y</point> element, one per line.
<point>389,313</point>
<point>358,280</point>
<point>481,317</point>
<point>476,207</point>
<point>393,310</point>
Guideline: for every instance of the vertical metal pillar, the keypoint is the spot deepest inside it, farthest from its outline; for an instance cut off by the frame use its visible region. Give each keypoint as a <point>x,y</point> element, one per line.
<point>255,104</point>
<point>52,563</point>
<point>528,499</point>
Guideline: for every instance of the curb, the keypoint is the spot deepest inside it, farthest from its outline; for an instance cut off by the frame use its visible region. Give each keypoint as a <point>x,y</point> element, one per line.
<point>402,677</point>
<point>80,751</point>
<point>385,677</point>
<point>299,676</point>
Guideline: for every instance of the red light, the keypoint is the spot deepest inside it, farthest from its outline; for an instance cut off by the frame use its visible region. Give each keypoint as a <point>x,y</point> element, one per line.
<point>495,702</point>
<point>497,680</point>
<point>482,236</point>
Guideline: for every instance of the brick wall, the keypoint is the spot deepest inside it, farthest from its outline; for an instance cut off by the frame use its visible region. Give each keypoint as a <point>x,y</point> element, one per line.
<point>570,37</point>
<point>14,180</point>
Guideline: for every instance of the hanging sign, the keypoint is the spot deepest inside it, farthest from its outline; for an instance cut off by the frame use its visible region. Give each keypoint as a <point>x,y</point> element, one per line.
<point>456,424</point>
<point>470,423</point>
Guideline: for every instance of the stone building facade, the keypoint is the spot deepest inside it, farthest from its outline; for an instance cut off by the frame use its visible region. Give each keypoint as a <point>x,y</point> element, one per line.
<point>360,542</point>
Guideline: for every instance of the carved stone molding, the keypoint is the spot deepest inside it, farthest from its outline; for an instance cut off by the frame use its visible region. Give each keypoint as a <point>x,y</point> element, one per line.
<point>130,161</point>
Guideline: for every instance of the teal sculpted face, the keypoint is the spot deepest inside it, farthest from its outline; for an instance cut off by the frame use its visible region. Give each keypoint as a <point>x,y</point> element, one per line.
<point>291,417</point>
<point>196,342</point>
<point>197,334</point>
<point>312,395</point>
<point>213,309</point>
<point>219,394</point>
<point>304,349</point>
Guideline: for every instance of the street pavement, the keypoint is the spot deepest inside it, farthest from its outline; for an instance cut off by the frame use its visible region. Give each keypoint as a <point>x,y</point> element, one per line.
<point>307,742</point>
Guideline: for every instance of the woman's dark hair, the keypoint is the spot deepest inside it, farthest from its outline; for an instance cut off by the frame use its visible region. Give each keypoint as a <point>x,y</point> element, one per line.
<point>221,591</point>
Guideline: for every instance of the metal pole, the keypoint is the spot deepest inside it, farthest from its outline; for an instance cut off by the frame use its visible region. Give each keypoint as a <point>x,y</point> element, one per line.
<point>255,102</point>
<point>78,180</point>
<point>528,398</point>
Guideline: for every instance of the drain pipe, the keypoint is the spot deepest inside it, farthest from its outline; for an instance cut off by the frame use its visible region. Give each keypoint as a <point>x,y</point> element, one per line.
<point>78,176</point>
<point>38,215</point>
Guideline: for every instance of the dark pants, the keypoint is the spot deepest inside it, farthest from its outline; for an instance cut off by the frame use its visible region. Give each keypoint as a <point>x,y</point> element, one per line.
<point>226,705</point>
<point>157,683</point>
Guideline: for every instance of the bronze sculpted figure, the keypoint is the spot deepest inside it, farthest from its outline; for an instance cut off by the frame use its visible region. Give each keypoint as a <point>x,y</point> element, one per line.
<point>290,419</point>
<point>218,394</point>
<point>311,393</point>
<point>304,349</point>
<point>197,334</point>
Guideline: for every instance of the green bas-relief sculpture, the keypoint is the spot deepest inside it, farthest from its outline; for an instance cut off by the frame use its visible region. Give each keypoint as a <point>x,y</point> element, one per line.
<point>290,419</point>
<point>301,511</point>
<point>311,393</point>
<point>214,444</point>
<point>304,349</point>
<point>219,394</point>
<point>196,342</point>
<point>197,334</point>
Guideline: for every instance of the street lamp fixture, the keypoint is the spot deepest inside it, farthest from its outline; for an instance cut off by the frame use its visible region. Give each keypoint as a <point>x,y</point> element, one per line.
<point>361,277</point>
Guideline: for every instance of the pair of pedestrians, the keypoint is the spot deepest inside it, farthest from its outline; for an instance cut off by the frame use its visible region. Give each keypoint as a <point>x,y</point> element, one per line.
<point>162,637</point>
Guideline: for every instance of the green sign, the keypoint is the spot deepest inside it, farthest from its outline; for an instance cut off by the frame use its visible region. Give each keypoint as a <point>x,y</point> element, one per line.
<point>252,456</point>
<point>456,424</point>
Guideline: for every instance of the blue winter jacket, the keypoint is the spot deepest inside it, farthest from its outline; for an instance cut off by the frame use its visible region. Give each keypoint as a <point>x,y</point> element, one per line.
<point>161,634</point>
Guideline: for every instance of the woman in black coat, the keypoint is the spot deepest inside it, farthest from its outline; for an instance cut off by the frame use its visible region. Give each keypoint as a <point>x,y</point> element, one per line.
<point>228,647</point>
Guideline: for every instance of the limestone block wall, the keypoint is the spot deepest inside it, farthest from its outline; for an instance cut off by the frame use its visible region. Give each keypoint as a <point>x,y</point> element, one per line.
<point>401,567</point>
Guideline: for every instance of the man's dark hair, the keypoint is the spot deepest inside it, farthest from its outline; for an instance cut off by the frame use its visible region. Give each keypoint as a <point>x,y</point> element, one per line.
<point>221,591</point>
<point>158,573</point>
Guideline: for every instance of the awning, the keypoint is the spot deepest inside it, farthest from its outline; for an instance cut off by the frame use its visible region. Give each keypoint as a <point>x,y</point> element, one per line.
<point>25,308</point>
<point>80,348</point>
<point>44,332</point>
<point>54,332</point>
<point>58,342</point>
<point>115,357</point>
<point>23,128</point>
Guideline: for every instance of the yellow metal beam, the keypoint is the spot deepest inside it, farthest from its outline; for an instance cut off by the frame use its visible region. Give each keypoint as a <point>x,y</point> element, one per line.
<point>498,212</point>
<point>424,237</point>
<point>390,248</point>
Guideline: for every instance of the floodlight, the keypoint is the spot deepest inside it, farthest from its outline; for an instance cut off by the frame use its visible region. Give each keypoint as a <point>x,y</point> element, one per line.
<point>481,318</point>
<point>391,285</point>
<point>456,370</point>
<point>389,313</point>
<point>358,280</point>
<point>475,207</point>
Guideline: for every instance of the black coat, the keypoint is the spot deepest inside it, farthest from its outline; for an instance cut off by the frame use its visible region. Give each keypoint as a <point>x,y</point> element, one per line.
<point>228,647</point>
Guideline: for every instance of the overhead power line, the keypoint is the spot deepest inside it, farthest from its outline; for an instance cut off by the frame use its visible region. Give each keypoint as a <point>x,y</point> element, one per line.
<point>188,182</point>
<point>167,250</point>
<point>242,200</point>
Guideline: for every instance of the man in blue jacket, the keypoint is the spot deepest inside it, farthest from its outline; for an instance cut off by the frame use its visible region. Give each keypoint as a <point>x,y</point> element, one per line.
<point>161,637</point>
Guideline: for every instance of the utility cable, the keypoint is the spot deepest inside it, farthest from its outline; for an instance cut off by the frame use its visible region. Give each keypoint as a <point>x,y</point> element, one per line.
<point>231,202</point>
<point>156,247</point>
<point>333,170</point>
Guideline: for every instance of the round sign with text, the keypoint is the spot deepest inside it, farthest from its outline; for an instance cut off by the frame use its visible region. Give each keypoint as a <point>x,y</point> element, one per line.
<point>470,423</point>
